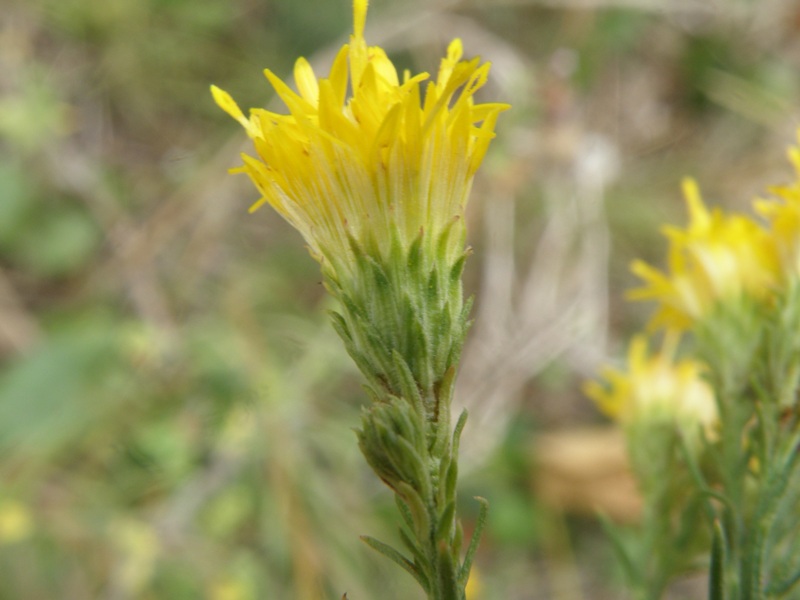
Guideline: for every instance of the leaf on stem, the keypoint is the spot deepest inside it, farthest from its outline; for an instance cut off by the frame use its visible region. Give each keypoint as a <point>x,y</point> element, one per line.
<point>716,574</point>
<point>420,560</point>
<point>451,587</point>
<point>466,566</point>
<point>462,421</point>
<point>415,503</point>
<point>409,387</point>
<point>405,512</point>
<point>445,526</point>
<point>784,586</point>
<point>623,554</point>
<point>401,560</point>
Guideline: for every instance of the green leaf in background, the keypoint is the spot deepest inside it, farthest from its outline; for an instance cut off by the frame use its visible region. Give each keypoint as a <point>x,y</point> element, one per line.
<point>17,194</point>
<point>56,394</point>
<point>32,114</point>
<point>61,240</point>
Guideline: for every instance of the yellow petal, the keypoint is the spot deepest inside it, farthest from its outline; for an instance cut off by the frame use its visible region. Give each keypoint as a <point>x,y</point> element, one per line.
<point>383,67</point>
<point>387,133</point>
<point>698,213</point>
<point>359,17</point>
<point>296,104</point>
<point>257,204</point>
<point>228,104</point>
<point>338,76</point>
<point>376,161</point>
<point>306,81</point>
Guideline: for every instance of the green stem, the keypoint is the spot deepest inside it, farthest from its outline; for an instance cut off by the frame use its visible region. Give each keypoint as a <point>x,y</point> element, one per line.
<point>779,470</point>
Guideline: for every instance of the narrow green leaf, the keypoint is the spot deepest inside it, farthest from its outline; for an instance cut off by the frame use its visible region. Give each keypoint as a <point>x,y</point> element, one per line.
<point>396,253</point>
<point>374,393</point>
<point>450,586</point>
<point>451,479</point>
<point>379,275</point>
<point>446,385</point>
<point>716,574</point>
<point>355,247</point>
<point>419,351</point>
<point>458,538</point>
<point>352,346</point>
<point>398,558</point>
<point>458,269</point>
<point>420,560</point>
<point>444,337</point>
<point>432,291</point>
<point>353,311</point>
<point>404,421</point>
<point>416,464</point>
<point>444,240</point>
<point>462,421</point>
<point>441,441</point>
<point>340,325</point>
<point>409,387</point>
<point>444,393</point>
<point>422,523</point>
<point>458,339</point>
<point>783,586</point>
<point>376,350</point>
<point>623,555</point>
<point>706,491</point>
<point>466,566</point>
<point>415,256</point>
<point>440,478</point>
<point>404,511</point>
<point>445,526</point>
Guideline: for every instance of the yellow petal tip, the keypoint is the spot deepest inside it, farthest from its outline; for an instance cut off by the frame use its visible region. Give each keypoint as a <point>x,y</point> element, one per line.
<point>228,104</point>
<point>359,17</point>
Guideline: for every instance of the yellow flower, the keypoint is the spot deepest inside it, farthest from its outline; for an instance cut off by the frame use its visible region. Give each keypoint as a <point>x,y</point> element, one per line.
<point>783,215</point>
<point>717,257</point>
<point>389,159</point>
<point>16,522</point>
<point>656,387</point>
<point>139,548</point>
<point>229,589</point>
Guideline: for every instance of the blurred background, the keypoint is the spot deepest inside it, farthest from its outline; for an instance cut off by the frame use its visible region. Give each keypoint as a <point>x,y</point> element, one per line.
<point>175,410</point>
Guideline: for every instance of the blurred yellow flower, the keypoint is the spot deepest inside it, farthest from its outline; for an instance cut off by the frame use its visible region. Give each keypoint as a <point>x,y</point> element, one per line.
<point>783,216</point>
<point>139,548</point>
<point>16,522</point>
<point>474,585</point>
<point>229,589</point>
<point>656,387</point>
<point>390,159</point>
<point>717,257</point>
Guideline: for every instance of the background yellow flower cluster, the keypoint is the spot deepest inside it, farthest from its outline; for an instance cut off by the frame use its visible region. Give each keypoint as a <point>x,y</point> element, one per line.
<point>721,257</point>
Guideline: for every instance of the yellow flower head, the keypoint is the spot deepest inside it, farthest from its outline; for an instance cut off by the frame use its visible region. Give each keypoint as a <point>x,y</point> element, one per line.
<point>389,158</point>
<point>783,215</point>
<point>656,387</point>
<point>718,257</point>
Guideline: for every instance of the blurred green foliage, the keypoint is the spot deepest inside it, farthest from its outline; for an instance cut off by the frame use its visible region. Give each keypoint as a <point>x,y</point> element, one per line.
<point>175,411</point>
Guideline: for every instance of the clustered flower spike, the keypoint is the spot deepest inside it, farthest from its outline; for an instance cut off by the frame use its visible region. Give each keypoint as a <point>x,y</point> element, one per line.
<point>390,158</point>
<point>725,418</point>
<point>717,258</point>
